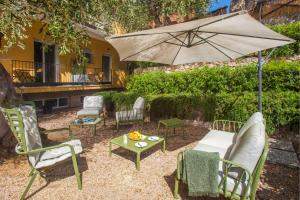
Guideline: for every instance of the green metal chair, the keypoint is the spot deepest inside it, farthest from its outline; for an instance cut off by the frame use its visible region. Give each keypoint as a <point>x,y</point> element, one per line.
<point>130,116</point>
<point>246,179</point>
<point>23,124</point>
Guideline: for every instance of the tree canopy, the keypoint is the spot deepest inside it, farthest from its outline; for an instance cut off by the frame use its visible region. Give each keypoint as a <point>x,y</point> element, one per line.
<point>61,18</point>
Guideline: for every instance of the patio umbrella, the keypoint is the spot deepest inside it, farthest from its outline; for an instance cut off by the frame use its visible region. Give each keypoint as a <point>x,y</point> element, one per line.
<point>219,38</point>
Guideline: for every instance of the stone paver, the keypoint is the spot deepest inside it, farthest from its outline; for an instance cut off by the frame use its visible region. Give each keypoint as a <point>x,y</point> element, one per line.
<point>282,152</point>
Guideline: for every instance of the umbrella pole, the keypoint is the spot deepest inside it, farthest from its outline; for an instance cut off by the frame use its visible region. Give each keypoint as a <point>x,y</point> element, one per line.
<point>260,74</point>
<point>259,68</point>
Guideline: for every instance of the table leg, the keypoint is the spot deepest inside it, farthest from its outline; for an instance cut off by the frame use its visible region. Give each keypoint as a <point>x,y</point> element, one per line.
<point>109,149</point>
<point>164,146</point>
<point>70,133</point>
<point>138,159</point>
<point>94,129</point>
<point>165,135</point>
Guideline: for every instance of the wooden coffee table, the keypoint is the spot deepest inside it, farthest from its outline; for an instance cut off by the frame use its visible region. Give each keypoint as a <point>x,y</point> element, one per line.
<point>119,141</point>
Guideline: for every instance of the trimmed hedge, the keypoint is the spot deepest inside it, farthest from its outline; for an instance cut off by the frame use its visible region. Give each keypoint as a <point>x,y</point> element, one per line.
<point>218,93</point>
<point>281,108</point>
<point>278,75</point>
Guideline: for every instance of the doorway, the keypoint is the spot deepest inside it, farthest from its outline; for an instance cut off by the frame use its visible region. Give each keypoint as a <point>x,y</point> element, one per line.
<point>106,68</point>
<point>44,63</point>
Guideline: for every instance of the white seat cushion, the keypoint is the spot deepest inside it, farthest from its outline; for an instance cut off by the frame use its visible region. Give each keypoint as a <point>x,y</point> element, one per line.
<point>31,132</point>
<point>255,118</point>
<point>208,148</point>
<point>249,148</point>
<point>93,102</point>
<point>220,139</point>
<point>139,103</point>
<point>54,156</point>
<point>129,115</point>
<point>88,111</point>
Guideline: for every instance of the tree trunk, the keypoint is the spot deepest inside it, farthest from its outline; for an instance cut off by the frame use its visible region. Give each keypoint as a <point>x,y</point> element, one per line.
<point>8,95</point>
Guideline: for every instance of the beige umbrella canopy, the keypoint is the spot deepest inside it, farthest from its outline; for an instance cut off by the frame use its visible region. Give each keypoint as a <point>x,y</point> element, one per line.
<point>219,38</point>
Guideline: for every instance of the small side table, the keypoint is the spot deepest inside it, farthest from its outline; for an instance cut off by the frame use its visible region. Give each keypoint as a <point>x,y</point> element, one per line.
<point>130,145</point>
<point>92,124</point>
<point>172,123</point>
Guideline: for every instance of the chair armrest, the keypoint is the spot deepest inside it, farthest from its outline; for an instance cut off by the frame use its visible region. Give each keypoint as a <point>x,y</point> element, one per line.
<point>227,125</point>
<point>179,159</point>
<point>46,131</point>
<point>44,149</point>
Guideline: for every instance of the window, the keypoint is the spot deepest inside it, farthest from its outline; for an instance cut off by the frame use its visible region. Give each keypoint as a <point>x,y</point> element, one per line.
<point>81,99</point>
<point>62,102</point>
<point>88,55</point>
<point>51,102</point>
<point>38,105</point>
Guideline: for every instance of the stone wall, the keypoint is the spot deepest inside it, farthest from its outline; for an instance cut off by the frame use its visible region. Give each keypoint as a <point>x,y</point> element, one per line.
<point>235,63</point>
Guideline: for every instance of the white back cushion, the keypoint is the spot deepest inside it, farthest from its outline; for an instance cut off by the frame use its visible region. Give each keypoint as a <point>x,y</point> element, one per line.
<point>139,104</point>
<point>255,118</point>
<point>249,148</point>
<point>93,102</point>
<point>31,131</point>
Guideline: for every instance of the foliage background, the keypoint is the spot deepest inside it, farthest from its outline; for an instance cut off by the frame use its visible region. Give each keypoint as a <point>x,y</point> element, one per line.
<point>219,93</point>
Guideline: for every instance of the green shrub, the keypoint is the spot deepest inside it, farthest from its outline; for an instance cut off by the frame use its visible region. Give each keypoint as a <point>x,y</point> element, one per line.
<point>280,108</point>
<point>292,31</point>
<point>124,100</point>
<point>278,75</point>
<point>107,99</point>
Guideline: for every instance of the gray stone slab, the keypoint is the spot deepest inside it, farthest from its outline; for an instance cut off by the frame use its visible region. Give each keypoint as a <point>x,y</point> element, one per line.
<point>281,144</point>
<point>282,157</point>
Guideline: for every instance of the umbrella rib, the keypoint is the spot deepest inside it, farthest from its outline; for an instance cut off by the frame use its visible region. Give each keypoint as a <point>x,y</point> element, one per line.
<point>178,50</point>
<point>242,35</point>
<point>151,46</point>
<point>214,46</point>
<point>175,37</point>
<point>173,43</point>
<point>226,48</point>
<point>202,41</point>
<point>197,29</point>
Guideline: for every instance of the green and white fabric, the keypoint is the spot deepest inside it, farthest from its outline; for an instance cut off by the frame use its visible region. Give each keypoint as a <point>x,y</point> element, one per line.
<point>92,105</point>
<point>137,112</point>
<point>32,135</point>
<point>33,141</point>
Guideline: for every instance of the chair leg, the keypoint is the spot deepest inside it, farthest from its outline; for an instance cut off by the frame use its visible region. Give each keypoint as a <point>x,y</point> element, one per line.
<point>31,172</point>
<point>176,187</point>
<point>77,174</point>
<point>32,175</point>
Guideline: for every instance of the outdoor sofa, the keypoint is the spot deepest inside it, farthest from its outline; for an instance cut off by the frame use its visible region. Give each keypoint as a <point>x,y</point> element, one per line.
<point>243,149</point>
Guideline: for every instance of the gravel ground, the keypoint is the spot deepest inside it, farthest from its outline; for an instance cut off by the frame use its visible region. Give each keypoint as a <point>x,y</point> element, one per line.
<point>113,178</point>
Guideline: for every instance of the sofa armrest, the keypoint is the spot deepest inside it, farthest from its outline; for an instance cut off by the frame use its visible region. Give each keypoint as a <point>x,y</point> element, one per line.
<point>244,176</point>
<point>227,125</point>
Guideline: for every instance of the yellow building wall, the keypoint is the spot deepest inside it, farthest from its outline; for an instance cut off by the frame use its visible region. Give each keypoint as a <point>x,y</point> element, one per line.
<point>97,48</point>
